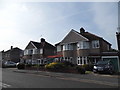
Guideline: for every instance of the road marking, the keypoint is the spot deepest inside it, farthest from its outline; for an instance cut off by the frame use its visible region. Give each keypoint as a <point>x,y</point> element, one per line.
<point>3,85</point>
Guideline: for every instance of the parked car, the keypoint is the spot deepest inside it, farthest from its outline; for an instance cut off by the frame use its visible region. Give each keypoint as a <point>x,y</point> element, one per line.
<point>103,67</point>
<point>20,65</point>
<point>9,64</point>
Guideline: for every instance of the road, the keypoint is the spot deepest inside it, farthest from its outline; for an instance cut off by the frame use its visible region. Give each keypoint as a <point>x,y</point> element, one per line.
<point>12,79</point>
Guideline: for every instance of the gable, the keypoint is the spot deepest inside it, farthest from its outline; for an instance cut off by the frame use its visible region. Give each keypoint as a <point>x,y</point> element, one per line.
<point>30,46</point>
<point>72,37</point>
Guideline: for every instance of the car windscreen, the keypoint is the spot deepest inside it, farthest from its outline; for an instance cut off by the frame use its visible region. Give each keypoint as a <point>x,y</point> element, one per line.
<point>102,62</point>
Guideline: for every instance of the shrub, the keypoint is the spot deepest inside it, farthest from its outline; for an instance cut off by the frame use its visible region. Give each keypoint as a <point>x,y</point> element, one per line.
<point>80,69</point>
<point>28,65</point>
<point>21,66</point>
<point>54,66</point>
<point>88,67</point>
<point>67,63</point>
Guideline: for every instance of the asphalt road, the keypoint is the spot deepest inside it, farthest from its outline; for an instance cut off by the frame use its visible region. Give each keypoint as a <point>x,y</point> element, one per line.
<point>12,79</point>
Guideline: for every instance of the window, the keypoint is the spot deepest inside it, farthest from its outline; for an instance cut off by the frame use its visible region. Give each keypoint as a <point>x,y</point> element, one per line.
<point>25,52</point>
<point>83,45</point>
<point>35,51</point>
<point>67,47</point>
<point>95,44</point>
<point>41,51</point>
<point>108,47</point>
<point>30,52</point>
<point>81,62</point>
<point>58,48</point>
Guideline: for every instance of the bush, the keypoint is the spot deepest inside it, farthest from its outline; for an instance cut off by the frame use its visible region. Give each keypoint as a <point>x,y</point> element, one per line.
<point>21,66</point>
<point>80,69</point>
<point>67,63</point>
<point>88,67</point>
<point>28,65</point>
<point>54,66</point>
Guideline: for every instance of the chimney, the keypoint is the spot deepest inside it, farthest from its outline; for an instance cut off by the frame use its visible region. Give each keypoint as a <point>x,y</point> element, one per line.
<point>11,47</point>
<point>42,40</point>
<point>82,30</point>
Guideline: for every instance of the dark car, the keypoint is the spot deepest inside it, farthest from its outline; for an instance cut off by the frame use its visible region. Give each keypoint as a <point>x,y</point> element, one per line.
<point>103,67</point>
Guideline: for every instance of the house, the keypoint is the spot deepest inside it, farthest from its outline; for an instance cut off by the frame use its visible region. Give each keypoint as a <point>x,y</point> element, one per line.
<point>38,51</point>
<point>82,47</point>
<point>13,54</point>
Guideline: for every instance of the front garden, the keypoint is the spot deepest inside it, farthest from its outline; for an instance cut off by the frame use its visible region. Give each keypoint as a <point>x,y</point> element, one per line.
<point>64,66</point>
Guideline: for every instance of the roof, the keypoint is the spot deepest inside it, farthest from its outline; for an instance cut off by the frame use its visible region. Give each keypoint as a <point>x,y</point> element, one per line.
<point>86,35</point>
<point>36,44</point>
<point>91,36</point>
<point>16,48</point>
<point>39,45</point>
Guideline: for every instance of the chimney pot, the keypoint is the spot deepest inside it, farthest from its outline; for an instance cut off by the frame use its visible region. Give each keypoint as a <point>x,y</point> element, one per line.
<point>42,40</point>
<point>82,30</point>
<point>11,47</point>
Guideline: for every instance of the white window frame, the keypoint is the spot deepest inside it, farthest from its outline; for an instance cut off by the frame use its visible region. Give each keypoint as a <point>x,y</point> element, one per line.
<point>35,51</point>
<point>95,44</point>
<point>41,51</point>
<point>67,47</point>
<point>26,52</point>
<point>58,48</point>
<point>83,45</point>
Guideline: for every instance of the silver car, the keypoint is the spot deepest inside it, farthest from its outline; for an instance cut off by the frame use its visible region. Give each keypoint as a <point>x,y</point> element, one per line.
<point>9,64</point>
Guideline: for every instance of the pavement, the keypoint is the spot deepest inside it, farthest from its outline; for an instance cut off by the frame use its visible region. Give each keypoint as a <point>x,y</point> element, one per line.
<point>111,80</point>
<point>59,74</point>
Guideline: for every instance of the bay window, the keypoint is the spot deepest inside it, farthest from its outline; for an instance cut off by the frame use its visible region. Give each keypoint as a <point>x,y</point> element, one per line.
<point>67,47</point>
<point>83,45</point>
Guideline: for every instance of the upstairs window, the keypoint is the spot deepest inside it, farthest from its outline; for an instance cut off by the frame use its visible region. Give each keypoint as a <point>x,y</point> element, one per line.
<point>30,52</point>
<point>68,47</point>
<point>35,51</point>
<point>58,48</point>
<point>95,44</point>
<point>25,52</point>
<point>41,51</point>
<point>83,45</point>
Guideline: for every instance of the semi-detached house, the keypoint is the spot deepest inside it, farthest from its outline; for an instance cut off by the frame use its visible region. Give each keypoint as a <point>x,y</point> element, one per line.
<point>82,47</point>
<point>38,51</point>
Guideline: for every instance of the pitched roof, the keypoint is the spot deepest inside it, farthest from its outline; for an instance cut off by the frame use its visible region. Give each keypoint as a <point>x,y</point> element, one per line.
<point>85,35</point>
<point>39,45</point>
<point>16,48</point>
<point>91,36</point>
<point>36,44</point>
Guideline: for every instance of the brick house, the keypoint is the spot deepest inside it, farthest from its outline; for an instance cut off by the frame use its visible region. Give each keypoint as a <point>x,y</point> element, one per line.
<point>13,54</point>
<point>38,51</point>
<point>82,47</point>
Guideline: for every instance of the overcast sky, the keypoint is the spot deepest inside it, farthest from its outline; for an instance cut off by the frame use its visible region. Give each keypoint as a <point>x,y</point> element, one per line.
<point>21,22</point>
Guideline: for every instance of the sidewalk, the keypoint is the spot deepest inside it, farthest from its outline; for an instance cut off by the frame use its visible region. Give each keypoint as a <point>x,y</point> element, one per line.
<point>111,80</point>
<point>59,74</point>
